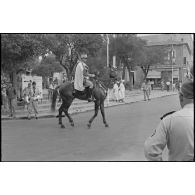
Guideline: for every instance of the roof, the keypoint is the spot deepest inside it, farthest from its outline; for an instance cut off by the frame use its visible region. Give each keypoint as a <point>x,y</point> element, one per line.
<point>156,37</point>
<point>168,43</point>
<point>169,39</point>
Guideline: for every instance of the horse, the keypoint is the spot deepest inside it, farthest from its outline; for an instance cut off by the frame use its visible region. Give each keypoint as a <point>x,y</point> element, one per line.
<point>68,94</point>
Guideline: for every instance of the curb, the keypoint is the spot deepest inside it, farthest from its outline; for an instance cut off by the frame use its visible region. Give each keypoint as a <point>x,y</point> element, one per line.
<point>74,112</point>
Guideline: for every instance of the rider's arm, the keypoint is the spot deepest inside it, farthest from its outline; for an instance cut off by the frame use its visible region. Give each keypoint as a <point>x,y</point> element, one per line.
<point>86,73</point>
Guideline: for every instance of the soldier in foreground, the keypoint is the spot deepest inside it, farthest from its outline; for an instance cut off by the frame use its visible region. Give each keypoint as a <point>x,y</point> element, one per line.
<point>176,131</point>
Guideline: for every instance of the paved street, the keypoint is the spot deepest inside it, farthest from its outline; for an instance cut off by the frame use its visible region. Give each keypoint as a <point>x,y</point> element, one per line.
<point>44,140</point>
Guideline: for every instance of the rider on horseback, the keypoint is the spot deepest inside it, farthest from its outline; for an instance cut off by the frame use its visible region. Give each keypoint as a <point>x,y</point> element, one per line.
<point>81,80</point>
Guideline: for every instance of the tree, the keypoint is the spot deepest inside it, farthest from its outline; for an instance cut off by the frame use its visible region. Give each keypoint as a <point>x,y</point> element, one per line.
<point>17,50</point>
<point>150,56</point>
<point>66,47</point>
<point>127,48</point>
<point>47,67</point>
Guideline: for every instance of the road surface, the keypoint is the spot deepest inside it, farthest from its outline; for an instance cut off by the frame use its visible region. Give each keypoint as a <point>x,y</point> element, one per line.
<point>44,140</point>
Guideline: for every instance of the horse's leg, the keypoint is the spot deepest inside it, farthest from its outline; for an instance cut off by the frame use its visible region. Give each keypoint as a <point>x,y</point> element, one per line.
<point>60,115</point>
<point>65,109</point>
<point>96,113</point>
<point>103,114</point>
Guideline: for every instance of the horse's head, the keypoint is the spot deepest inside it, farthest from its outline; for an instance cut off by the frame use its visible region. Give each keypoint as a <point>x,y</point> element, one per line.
<point>113,73</point>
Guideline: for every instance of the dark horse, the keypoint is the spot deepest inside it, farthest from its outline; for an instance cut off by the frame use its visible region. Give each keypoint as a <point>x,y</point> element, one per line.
<point>67,94</point>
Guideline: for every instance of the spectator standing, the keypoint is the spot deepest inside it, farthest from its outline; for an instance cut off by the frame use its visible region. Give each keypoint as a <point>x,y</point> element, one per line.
<point>180,84</point>
<point>121,91</point>
<point>115,91</point>
<point>27,92</point>
<point>148,83</point>
<point>50,90</point>
<point>4,99</point>
<point>162,85</point>
<point>11,96</point>
<point>34,99</point>
<point>152,84</point>
<point>177,85</point>
<point>176,131</point>
<point>173,86</point>
<point>144,87</point>
<point>168,85</point>
<point>31,96</point>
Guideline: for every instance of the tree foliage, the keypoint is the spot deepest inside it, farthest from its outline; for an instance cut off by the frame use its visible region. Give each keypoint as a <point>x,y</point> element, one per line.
<point>149,57</point>
<point>17,49</point>
<point>47,67</point>
<point>21,50</point>
<point>132,51</point>
<point>127,49</point>
<point>67,46</point>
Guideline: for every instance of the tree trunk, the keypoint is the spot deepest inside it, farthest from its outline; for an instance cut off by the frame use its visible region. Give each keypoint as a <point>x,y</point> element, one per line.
<point>123,75</point>
<point>130,78</point>
<point>14,79</point>
<point>67,70</point>
<point>145,72</point>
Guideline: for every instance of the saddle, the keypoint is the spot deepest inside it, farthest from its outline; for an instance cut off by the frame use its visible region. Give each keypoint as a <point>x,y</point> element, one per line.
<point>80,94</point>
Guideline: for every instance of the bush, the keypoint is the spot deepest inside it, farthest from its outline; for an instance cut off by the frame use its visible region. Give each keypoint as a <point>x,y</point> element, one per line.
<point>137,85</point>
<point>128,85</point>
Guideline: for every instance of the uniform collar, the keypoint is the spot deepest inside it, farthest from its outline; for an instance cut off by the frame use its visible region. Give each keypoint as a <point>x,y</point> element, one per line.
<point>190,105</point>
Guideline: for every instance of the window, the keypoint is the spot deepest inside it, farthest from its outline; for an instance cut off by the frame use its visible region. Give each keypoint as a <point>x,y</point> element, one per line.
<point>174,54</point>
<point>184,61</point>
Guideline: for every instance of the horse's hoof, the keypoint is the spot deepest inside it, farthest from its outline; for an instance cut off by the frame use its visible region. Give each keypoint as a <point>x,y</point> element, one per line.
<point>62,126</point>
<point>72,124</point>
<point>106,125</point>
<point>89,125</point>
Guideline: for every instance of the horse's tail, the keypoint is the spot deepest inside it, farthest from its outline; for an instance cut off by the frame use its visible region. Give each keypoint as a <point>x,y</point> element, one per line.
<point>54,97</point>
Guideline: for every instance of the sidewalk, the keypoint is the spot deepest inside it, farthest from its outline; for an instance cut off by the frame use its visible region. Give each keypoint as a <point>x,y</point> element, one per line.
<point>79,106</point>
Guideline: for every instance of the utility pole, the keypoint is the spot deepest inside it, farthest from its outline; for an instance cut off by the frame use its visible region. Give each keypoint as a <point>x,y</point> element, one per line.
<point>114,57</point>
<point>108,42</point>
<point>172,61</point>
<point>108,96</point>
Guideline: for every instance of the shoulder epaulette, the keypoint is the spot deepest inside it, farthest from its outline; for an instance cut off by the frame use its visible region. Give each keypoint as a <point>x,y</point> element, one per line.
<point>167,114</point>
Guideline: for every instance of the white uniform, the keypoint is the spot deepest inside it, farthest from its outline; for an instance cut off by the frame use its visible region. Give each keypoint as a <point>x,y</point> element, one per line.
<point>79,78</point>
<point>115,92</point>
<point>177,132</point>
<point>121,91</point>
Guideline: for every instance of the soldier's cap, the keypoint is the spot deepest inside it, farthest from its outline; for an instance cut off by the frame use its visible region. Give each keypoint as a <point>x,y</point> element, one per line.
<point>187,89</point>
<point>33,83</point>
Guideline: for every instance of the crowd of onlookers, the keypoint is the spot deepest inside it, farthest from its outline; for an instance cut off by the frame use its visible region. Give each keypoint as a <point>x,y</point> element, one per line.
<point>147,87</point>
<point>167,85</point>
<point>29,98</point>
<point>31,95</point>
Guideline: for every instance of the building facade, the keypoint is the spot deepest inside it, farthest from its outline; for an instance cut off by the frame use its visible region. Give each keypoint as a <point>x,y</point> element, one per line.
<point>178,57</point>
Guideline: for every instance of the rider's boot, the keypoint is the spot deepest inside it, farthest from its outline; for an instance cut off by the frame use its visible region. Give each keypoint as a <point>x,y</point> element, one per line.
<point>90,95</point>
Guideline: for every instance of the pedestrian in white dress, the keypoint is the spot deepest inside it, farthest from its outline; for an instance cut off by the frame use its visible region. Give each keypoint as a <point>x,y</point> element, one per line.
<point>121,91</point>
<point>115,91</point>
